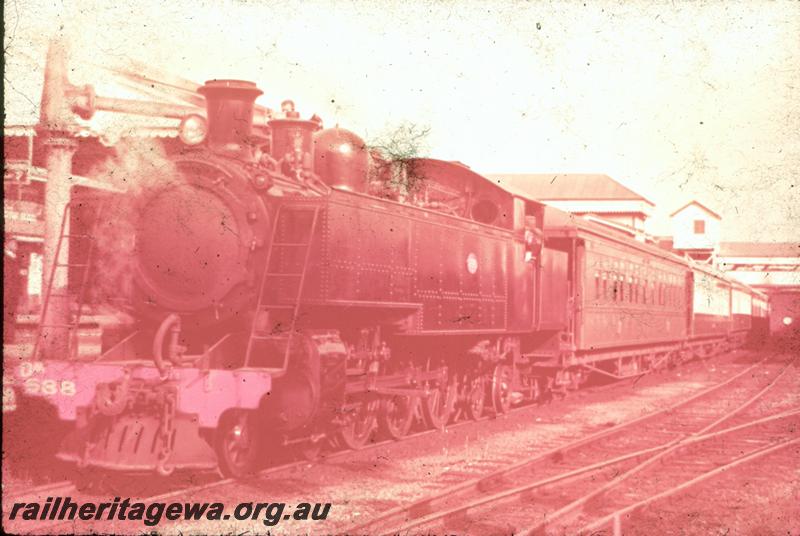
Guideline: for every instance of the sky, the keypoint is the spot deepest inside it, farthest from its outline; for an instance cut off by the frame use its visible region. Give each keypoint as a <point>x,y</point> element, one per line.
<point>675,100</point>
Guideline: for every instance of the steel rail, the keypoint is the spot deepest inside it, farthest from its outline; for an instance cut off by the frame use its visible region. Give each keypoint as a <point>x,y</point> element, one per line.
<point>672,446</point>
<point>342,453</point>
<point>616,516</point>
<point>44,488</point>
<point>519,490</point>
<point>264,472</point>
<point>400,514</point>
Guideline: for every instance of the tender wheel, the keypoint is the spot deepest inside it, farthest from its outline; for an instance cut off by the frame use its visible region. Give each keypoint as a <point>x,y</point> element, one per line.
<point>501,389</point>
<point>361,423</point>
<point>438,405</point>
<point>396,415</point>
<point>236,444</point>
<point>475,398</point>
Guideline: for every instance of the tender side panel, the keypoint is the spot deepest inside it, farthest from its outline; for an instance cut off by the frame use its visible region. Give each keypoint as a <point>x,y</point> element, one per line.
<point>629,297</point>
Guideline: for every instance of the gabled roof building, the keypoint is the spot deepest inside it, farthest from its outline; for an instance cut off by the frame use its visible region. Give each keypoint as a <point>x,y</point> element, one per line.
<point>696,230</point>
<point>583,194</point>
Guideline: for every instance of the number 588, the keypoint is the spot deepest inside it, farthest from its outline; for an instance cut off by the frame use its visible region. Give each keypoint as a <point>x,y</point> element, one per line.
<point>35,386</point>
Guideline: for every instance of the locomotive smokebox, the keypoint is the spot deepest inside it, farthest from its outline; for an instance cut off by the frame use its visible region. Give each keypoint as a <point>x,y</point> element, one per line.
<point>341,159</point>
<point>229,105</point>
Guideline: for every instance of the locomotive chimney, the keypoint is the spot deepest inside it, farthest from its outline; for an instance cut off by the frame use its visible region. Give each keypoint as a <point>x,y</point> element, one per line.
<point>229,105</point>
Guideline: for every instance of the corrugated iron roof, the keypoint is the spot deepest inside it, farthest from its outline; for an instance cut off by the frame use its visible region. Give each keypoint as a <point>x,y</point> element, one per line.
<point>568,186</point>
<point>156,131</point>
<point>759,249</point>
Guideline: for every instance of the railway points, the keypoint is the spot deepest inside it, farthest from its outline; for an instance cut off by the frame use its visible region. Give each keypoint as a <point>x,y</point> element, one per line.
<point>270,481</point>
<point>538,489</point>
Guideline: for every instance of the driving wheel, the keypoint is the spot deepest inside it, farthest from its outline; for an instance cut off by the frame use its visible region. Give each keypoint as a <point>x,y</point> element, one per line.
<point>438,405</point>
<point>396,415</point>
<point>475,397</point>
<point>501,389</point>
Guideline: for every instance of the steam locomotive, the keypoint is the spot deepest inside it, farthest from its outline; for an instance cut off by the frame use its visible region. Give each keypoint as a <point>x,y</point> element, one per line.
<point>293,288</point>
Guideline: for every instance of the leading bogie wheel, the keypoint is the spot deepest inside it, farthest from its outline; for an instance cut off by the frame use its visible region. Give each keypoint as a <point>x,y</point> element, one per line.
<point>236,444</point>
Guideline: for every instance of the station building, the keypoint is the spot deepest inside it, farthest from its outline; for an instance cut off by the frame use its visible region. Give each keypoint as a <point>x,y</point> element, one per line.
<point>589,195</point>
<point>24,183</point>
<point>696,231</point>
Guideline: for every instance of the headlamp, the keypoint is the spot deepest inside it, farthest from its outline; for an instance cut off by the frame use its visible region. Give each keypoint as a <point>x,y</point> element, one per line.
<point>193,129</point>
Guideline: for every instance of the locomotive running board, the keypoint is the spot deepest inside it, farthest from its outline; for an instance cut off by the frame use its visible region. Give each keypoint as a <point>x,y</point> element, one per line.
<point>386,385</point>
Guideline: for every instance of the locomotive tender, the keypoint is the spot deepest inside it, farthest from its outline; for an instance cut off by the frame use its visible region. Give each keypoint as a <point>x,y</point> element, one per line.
<point>313,292</point>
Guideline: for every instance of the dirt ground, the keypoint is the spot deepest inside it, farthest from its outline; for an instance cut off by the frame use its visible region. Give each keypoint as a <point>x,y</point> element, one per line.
<point>361,484</point>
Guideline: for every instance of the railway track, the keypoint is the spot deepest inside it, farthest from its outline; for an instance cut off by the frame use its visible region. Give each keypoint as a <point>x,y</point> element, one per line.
<point>69,489</point>
<point>68,486</point>
<point>738,418</point>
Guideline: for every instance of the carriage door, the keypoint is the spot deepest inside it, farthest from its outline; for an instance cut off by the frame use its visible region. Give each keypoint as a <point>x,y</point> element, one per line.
<point>556,287</point>
<point>689,309</point>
